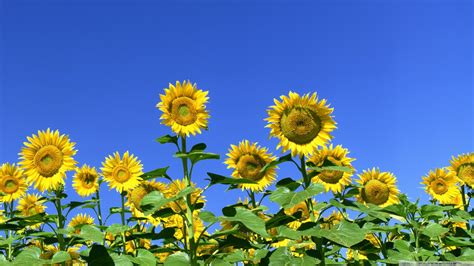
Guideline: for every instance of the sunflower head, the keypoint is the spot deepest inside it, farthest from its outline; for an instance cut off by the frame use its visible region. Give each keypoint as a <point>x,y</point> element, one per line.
<point>301,123</point>
<point>86,180</point>
<point>123,173</point>
<point>138,243</point>
<point>80,220</point>
<point>301,207</point>
<point>441,184</point>
<point>247,159</point>
<point>463,167</point>
<point>332,180</point>
<point>378,188</point>
<point>46,158</point>
<point>31,204</point>
<point>12,182</point>
<point>184,109</point>
<point>180,205</point>
<point>135,196</point>
<point>177,221</point>
<point>332,220</point>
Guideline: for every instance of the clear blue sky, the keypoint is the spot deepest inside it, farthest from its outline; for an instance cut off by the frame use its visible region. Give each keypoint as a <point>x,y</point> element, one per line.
<point>398,73</point>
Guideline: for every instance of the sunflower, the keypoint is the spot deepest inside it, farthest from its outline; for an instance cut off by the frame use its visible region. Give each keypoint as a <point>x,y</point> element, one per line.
<point>332,220</point>
<point>441,184</point>
<point>332,180</point>
<point>301,123</point>
<point>132,245</point>
<point>122,173</point>
<point>463,167</point>
<point>184,108</point>
<point>305,214</point>
<point>247,159</point>
<point>31,204</point>
<point>177,221</point>
<point>180,205</point>
<point>86,180</point>
<point>378,188</point>
<point>80,220</point>
<point>12,182</point>
<point>135,196</point>
<point>46,158</point>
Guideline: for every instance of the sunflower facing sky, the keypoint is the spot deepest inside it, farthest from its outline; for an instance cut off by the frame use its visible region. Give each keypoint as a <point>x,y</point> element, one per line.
<point>441,184</point>
<point>12,182</point>
<point>332,180</point>
<point>86,181</point>
<point>184,109</point>
<point>378,188</point>
<point>463,167</point>
<point>247,159</point>
<point>301,123</point>
<point>135,196</point>
<point>124,173</point>
<point>46,158</point>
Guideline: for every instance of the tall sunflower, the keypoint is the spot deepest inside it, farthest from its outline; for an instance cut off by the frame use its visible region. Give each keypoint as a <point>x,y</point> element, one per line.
<point>46,158</point>
<point>135,196</point>
<point>124,173</point>
<point>301,123</point>
<point>378,188</point>
<point>247,159</point>
<point>441,184</point>
<point>12,182</point>
<point>332,180</point>
<point>180,205</point>
<point>463,167</point>
<point>80,220</point>
<point>184,108</point>
<point>86,180</point>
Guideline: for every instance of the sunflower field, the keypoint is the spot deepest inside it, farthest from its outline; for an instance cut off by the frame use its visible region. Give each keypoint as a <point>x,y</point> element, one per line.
<point>164,220</point>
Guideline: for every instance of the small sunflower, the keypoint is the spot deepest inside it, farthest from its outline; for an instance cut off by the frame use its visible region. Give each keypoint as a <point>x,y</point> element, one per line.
<point>301,123</point>
<point>180,205</point>
<point>378,188</point>
<point>305,214</point>
<point>332,220</point>
<point>332,180</point>
<point>247,159</point>
<point>177,221</point>
<point>463,167</point>
<point>80,220</point>
<point>86,181</point>
<point>12,182</point>
<point>135,196</point>
<point>31,204</point>
<point>123,173</point>
<point>46,158</point>
<point>184,108</point>
<point>441,185</point>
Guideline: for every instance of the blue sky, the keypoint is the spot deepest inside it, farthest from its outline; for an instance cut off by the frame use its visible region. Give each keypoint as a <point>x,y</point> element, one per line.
<point>398,73</point>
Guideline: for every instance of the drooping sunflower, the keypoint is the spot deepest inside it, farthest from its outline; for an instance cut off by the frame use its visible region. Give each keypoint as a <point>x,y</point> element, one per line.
<point>332,180</point>
<point>305,214</point>
<point>247,159</point>
<point>46,158</point>
<point>184,109</point>
<point>441,184</point>
<point>378,188</point>
<point>86,181</point>
<point>80,220</point>
<point>180,205</point>
<point>12,182</point>
<point>463,167</point>
<point>124,173</point>
<point>135,196</point>
<point>301,123</point>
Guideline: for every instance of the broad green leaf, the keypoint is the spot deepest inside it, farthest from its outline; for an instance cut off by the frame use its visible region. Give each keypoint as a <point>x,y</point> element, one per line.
<point>402,245</point>
<point>434,230</point>
<point>116,229</point>
<point>30,256</point>
<point>345,234</point>
<point>287,198</point>
<point>198,147</point>
<point>305,260</point>
<point>160,172</point>
<point>432,211</point>
<point>178,259</point>
<point>197,156</point>
<point>219,179</point>
<point>90,232</point>
<point>288,183</point>
<point>98,255</point>
<point>208,217</point>
<point>467,255</point>
<point>60,256</point>
<point>155,200</point>
<point>249,219</point>
<point>168,139</point>
<point>332,168</point>
<point>235,256</point>
<point>281,256</point>
<point>282,159</point>
<point>144,257</point>
<point>121,260</point>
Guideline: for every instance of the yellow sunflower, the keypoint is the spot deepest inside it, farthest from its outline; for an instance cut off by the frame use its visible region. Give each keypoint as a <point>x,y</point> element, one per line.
<point>305,214</point>
<point>463,167</point>
<point>46,158</point>
<point>441,185</point>
<point>122,173</point>
<point>135,196</point>
<point>184,108</point>
<point>177,221</point>
<point>132,245</point>
<point>180,205</point>
<point>86,181</point>
<point>332,180</point>
<point>378,188</point>
<point>332,220</point>
<point>12,182</point>
<point>31,204</point>
<point>247,159</point>
<point>301,123</point>
<point>79,220</point>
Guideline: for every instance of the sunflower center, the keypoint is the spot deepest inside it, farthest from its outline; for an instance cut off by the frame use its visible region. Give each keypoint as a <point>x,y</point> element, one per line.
<point>330,176</point>
<point>439,186</point>
<point>183,111</point>
<point>300,125</point>
<point>48,160</point>
<point>10,185</point>
<point>89,181</point>
<point>375,192</point>
<point>121,174</point>
<point>466,173</point>
<point>249,167</point>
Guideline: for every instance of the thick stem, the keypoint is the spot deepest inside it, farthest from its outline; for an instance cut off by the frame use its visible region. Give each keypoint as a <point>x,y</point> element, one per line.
<point>99,212</point>
<point>122,214</point>
<point>61,219</point>
<point>252,198</point>
<point>465,203</point>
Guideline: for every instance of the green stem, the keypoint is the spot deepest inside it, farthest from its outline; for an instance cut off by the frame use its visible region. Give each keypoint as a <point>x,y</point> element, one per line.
<point>10,215</point>
<point>99,213</point>
<point>252,198</point>
<point>320,249</point>
<point>122,214</point>
<point>61,218</point>
<point>465,203</point>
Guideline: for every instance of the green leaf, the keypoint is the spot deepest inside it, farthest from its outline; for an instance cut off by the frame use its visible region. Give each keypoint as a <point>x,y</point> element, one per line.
<point>168,139</point>
<point>90,232</point>
<point>281,256</point>
<point>98,255</point>
<point>332,168</point>
<point>208,217</point>
<point>30,256</point>
<point>432,211</point>
<point>198,147</point>
<point>60,256</point>
<point>116,229</point>
<point>144,257</point>
<point>402,245</point>
<point>305,260</point>
<point>160,172</point>
<point>178,259</point>
<point>155,200</point>
<point>288,183</point>
<point>345,234</point>
<point>287,199</point>
<point>249,219</point>
<point>282,159</point>
<point>219,179</point>
<point>434,230</point>
<point>121,260</point>
<point>197,156</point>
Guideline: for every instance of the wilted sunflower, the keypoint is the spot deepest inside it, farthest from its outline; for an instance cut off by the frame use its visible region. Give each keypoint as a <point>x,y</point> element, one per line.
<point>305,214</point>
<point>247,159</point>
<point>378,188</point>
<point>301,123</point>
<point>12,182</point>
<point>441,184</point>
<point>122,173</point>
<point>46,158</point>
<point>463,167</point>
<point>184,108</point>
<point>86,181</point>
<point>80,220</point>
<point>332,180</point>
<point>180,205</point>
<point>135,196</point>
